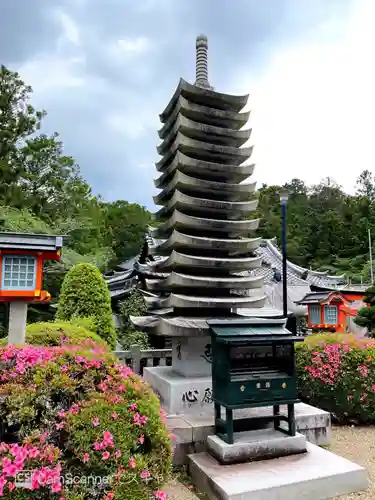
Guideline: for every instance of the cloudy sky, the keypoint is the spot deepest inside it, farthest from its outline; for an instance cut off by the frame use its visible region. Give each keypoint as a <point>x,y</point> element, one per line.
<point>104,69</point>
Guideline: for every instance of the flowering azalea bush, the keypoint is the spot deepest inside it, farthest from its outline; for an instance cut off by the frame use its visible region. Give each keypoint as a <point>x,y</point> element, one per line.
<point>339,376</point>
<point>77,425</point>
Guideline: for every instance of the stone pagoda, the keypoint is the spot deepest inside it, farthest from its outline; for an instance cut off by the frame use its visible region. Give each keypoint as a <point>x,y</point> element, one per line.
<point>204,239</point>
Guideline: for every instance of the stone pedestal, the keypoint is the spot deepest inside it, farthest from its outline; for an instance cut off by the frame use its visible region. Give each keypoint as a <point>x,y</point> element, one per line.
<point>256,445</point>
<point>180,394</point>
<point>315,475</point>
<point>191,357</point>
<point>17,322</point>
<point>192,430</point>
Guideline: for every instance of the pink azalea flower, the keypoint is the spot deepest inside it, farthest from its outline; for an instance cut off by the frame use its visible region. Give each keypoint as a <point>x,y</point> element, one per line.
<point>115,415</point>
<point>106,455</point>
<point>145,474</point>
<point>9,469</point>
<point>160,495</point>
<point>137,419</point>
<point>56,487</point>
<point>86,458</point>
<point>141,439</point>
<point>3,482</point>
<point>95,422</point>
<point>74,409</point>
<point>110,496</point>
<point>143,420</point>
<point>118,453</point>
<point>34,453</point>
<point>132,463</point>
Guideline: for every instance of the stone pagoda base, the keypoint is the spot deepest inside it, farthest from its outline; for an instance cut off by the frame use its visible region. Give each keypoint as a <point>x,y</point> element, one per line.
<point>180,394</point>
<point>314,475</point>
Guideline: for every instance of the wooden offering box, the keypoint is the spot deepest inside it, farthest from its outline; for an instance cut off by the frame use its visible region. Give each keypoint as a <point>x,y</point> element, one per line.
<point>253,365</point>
<point>21,265</point>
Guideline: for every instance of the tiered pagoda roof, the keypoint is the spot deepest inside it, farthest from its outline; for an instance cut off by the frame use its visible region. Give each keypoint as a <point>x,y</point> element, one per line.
<point>204,237</point>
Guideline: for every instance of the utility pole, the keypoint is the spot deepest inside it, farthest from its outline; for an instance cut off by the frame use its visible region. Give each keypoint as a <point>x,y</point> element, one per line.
<point>370,251</point>
<point>284,195</point>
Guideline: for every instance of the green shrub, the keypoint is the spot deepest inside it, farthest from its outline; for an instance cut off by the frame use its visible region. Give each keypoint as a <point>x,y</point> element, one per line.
<point>56,333</point>
<point>129,337</point>
<point>324,339</point>
<point>84,293</point>
<point>97,417</point>
<point>366,315</point>
<point>133,305</point>
<point>337,373</point>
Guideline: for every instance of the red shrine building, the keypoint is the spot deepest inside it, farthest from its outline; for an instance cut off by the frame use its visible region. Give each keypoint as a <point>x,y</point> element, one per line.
<point>21,275</point>
<point>332,310</point>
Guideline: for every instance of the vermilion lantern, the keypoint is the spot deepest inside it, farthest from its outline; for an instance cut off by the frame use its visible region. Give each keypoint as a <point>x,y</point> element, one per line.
<point>21,275</point>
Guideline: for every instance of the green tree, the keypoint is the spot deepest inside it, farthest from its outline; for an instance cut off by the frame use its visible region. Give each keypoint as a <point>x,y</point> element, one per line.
<point>133,305</point>
<point>18,120</point>
<point>366,185</point>
<point>125,224</point>
<point>366,315</point>
<point>85,294</point>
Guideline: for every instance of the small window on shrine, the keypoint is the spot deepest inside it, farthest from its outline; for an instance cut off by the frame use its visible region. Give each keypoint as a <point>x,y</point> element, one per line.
<point>18,272</point>
<point>330,315</point>
<point>315,315</point>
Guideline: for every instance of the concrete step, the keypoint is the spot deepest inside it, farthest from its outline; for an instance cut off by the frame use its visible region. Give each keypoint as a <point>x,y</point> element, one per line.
<point>315,475</point>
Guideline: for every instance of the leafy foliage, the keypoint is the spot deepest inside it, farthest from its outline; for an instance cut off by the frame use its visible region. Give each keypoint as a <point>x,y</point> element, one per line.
<point>73,332</point>
<point>327,229</point>
<point>366,315</point>
<point>88,417</point>
<point>43,191</point>
<point>84,294</point>
<point>337,373</point>
<point>133,305</point>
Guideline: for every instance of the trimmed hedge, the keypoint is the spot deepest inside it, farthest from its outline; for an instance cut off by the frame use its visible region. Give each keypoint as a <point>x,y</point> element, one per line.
<point>56,333</point>
<point>70,413</point>
<point>336,372</point>
<point>84,294</point>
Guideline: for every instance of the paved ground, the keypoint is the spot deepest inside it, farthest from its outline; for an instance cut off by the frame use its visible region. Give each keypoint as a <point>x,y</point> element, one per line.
<point>354,443</point>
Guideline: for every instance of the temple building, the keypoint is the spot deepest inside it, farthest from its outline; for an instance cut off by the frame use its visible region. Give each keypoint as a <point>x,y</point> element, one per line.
<point>333,310</point>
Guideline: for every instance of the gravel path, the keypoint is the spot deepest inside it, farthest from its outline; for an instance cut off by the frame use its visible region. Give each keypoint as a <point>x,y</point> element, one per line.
<point>358,445</point>
<point>179,491</point>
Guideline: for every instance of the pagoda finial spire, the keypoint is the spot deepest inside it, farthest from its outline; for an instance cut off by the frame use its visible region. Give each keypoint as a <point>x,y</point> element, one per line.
<point>202,62</point>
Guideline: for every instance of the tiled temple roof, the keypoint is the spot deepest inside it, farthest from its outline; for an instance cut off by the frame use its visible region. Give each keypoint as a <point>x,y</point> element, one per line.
<point>300,279</point>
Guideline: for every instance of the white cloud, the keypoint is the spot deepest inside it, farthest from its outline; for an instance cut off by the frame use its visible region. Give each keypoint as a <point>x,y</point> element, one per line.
<point>70,30</point>
<point>50,74</point>
<point>132,123</point>
<point>313,105</point>
<point>130,47</point>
